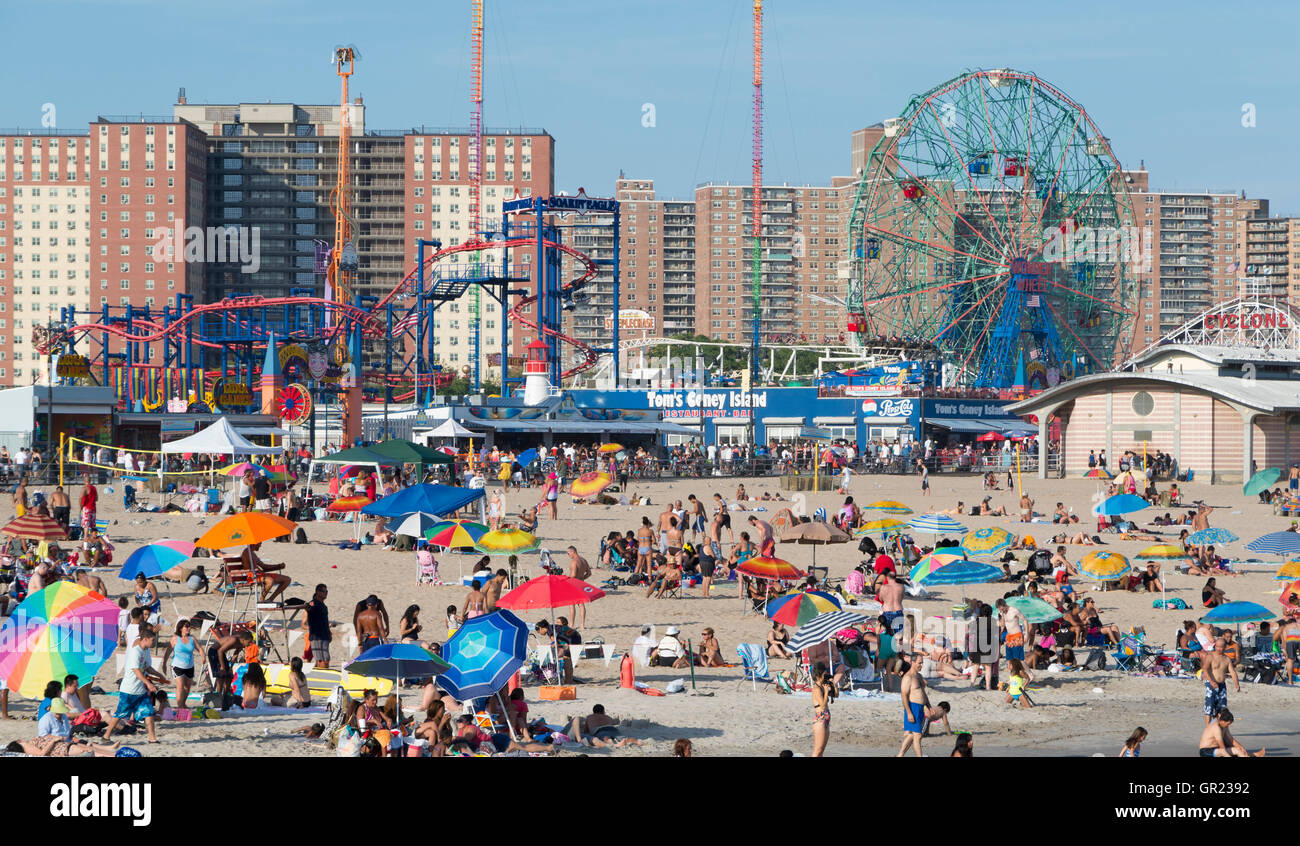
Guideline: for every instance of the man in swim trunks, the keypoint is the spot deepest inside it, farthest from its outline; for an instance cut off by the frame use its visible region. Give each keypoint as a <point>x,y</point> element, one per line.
<point>891,598</point>
<point>1217,740</point>
<point>1013,622</point>
<point>1215,669</point>
<point>715,536</point>
<point>916,704</point>
<point>766,542</point>
<point>371,631</point>
<point>696,517</point>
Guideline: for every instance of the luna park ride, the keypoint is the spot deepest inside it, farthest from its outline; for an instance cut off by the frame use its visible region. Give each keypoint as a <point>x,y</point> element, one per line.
<point>211,357</point>
<point>956,230</point>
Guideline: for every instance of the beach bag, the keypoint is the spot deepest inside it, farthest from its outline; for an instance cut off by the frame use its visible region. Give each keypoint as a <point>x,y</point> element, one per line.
<point>300,536</point>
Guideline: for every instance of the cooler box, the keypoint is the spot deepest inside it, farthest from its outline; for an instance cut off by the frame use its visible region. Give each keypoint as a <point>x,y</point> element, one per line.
<point>556,692</point>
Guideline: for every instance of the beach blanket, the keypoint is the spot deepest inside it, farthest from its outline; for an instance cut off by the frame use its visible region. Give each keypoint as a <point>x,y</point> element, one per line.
<point>858,694</point>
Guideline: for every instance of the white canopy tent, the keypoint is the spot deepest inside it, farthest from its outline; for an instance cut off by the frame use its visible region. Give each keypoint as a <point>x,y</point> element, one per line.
<point>449,428</point>
<point>218,439</point>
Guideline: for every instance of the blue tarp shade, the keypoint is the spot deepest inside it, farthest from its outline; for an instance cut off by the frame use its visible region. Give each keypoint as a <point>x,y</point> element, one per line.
<point>959,425</point>
<point>428,499</point>
<point>1011,427</point>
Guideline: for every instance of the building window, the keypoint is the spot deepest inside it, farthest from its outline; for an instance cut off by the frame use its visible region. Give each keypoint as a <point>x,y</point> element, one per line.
<point>1143,404</point>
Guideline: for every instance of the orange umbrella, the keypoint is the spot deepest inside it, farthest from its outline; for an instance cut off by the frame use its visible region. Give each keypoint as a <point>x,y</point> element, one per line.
<point>348,503</point>
<point>1293,588</point>
<point>610,448</point>
<point>35,527</point>
<point>244,529</point>
<point>590,484</point>
<point>772,569</point>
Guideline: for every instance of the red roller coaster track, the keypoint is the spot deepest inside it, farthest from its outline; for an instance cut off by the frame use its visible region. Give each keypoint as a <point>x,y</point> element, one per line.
<point>149,331</point>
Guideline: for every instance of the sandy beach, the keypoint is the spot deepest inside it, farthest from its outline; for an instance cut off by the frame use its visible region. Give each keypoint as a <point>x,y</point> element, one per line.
<point>1078,714</point>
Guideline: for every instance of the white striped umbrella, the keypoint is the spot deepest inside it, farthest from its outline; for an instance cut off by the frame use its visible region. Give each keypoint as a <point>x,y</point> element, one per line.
<point>936,524</point>
<point>822,628</point>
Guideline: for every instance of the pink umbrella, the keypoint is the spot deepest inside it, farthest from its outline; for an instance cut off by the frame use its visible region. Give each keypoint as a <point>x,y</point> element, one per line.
<point>183,547</point>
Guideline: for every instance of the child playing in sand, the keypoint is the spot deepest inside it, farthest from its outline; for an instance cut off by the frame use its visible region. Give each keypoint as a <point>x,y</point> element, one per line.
<point>1016,686</point>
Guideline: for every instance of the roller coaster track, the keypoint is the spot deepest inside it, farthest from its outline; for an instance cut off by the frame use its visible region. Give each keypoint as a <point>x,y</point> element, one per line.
<point>145,331</point>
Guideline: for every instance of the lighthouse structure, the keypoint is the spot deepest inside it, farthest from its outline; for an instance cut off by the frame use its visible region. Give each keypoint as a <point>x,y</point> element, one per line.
<point>272,379</point>
<point>537,384</point>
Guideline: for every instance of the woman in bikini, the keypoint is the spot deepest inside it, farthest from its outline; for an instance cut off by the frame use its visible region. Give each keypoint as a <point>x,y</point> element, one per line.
<point>710,652</point>
<point>823,694</point>
<point>494,511</point>
<point>777,638</point>
<point>645,543</point>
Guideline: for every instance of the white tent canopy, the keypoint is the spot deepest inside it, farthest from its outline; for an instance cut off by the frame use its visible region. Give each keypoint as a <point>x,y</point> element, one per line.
<point>449,428</point>
<point>218,439</point>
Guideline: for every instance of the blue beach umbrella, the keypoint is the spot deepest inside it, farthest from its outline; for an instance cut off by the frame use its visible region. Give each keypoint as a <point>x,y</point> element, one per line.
<point>964,572</point>
<point>1205,537</point>
<point>427,499</point>
<point>935,524</point>
<point>526,457</point>
<point>1276,543</point>
<point>150,561</point>
<point>1121,504</point>
<point>483,654</point>
<point>396,661</point>
<point>1236,613</point>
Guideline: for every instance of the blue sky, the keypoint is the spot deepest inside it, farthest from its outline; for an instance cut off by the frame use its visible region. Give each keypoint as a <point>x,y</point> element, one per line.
<point>1165,81</point>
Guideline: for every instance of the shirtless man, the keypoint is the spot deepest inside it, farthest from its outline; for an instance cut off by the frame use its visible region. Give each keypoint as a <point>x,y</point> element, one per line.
<point>891,599</point>
<point>1201,520</point>
<point>673,538</point>
<point>60,506</point>
<point>724,515</point>
<point>219,658</point>
<point>495,585</point>
<point>645,544</point>
<point>1217,740</point>
<point>371,629</point>
<point>670,574</point>
<point>90,580</point>
<point>715,536</point>
<point>916,704</point>
<point>273,584</point>
<point>665,523</point>
<point>1026,508</point>
<point>987,510</point>
<point>1215,669</point>
<point>579,569</point>
<point>1060,562</point>
<point>766,540</point>
<point>1014,624</point>
<point>696,516</point>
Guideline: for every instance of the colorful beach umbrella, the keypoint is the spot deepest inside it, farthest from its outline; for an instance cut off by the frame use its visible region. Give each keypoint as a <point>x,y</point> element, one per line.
<point>930,563</point>
<point>989,540</point>
<point>1098,473</point>
<point>1288,572</point>
<point>610,448</point>
<point>413,525</point>
<point>347,504</point>
<point>64,629</point>
<point>1236,613</point>
<point>243,467</point>
<point>455,534</point>
<point>446,450</point>
<point>1261,481</point>
<point>247,528</point>
<point>798,607</point>
<point>936,524</point>
<point>150,561</point>
<point>1120,504</point>
<point>962,573</point>
<point>1276,543</point>
<point>1034,610</point>
<point>1212,535</point>
<point>889,506</point>
<point>506,541</point>
<point>991,436</point>
<point>35,527</point>
<point>483,654</point>
<point>1162,550</point>
<point>185,548</point>
<point>590,484</point>
<point>822,628</point>
<point>1104,566</point>
<point>550,591</point>
<point>397,661</point>
<point>770,569</point>
<point>1287,593</point>
<point>884,525</point>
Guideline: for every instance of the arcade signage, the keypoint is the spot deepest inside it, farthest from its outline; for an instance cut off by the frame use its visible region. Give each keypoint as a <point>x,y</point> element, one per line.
<point>966,409</point>
<point>1255,319</point>
<point>697,405</point>
<point>633,319</point>
<point>72,366</point>
<point>233,394</point>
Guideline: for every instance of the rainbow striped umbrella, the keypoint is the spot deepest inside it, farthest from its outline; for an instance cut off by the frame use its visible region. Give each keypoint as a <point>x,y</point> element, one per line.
<point>883,525</point>
<point>889,506</point>
<point>930,563</point>
<point>989,540</point>
<point>798,607</point>
<point>590,484</point>
<point>345,504</point>
<point>64,629</point>
<point>1162,550</point>
<point>507,542</point>
<point>1104,566</point>
<point>772,569</point>
<point>455,534</point>
<point>1098,473</point>
<point>244,467</point>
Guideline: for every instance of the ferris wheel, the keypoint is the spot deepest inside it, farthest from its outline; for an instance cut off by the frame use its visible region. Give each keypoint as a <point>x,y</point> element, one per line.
<point>994,222</point>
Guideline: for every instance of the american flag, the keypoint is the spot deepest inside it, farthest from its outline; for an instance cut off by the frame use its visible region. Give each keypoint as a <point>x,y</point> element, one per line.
<point>1032,301</point>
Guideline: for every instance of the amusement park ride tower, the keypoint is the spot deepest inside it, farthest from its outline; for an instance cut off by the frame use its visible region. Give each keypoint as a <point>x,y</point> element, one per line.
<point>343,257</point>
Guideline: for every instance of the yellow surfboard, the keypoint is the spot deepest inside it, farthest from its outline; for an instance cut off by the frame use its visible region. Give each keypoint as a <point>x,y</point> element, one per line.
<point>323,682</point>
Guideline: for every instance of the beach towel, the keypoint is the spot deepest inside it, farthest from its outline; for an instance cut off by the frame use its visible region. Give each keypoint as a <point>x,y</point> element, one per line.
<point>754,659</point>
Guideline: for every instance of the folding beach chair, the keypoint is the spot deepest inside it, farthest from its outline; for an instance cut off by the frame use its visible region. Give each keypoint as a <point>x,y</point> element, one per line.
<point>753,662</point>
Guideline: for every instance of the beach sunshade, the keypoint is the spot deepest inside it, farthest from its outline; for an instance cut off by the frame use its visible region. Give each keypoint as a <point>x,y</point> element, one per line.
<point>526,457</point>
<point>346,504</point>
<point>814,531</point>
<point>1288,572</point>
<point>930,563</point>
<point>889,506</point>
<point>1120,504</point>
<point>1275,543</point>
<point>446,450</point>
<point>35,527</point>
<point>935,524</point>
<point>185,548</point>
<point>455,534</point>
<point>1162,550</point>
<point>989,540</point>
<point>243,529</point>
<point>1213,535</point>
<point>1034,609</point>
<point>397,661</point>
<point>1285,596</point>
<point>507,542</point>
<point>1235,613</point>
<point>590,484</point>
<point>991,436</point>
<point>550,591</point>
<point>1104,566</point>
<point>823,627</point>
<point>244,467</point>
<point>610,448</point>
<point>483,654</point>
<point>414,525</point>
<point>962,573</point>
<point>797,608</point>
<point>771,569</point>
<point>430,499</point>
<point>64,629</point>
<point>1098,473</point>
<point>1261,481</point>
<point>150,561</point>
<point>883,525</point>
<point>410,453</point>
